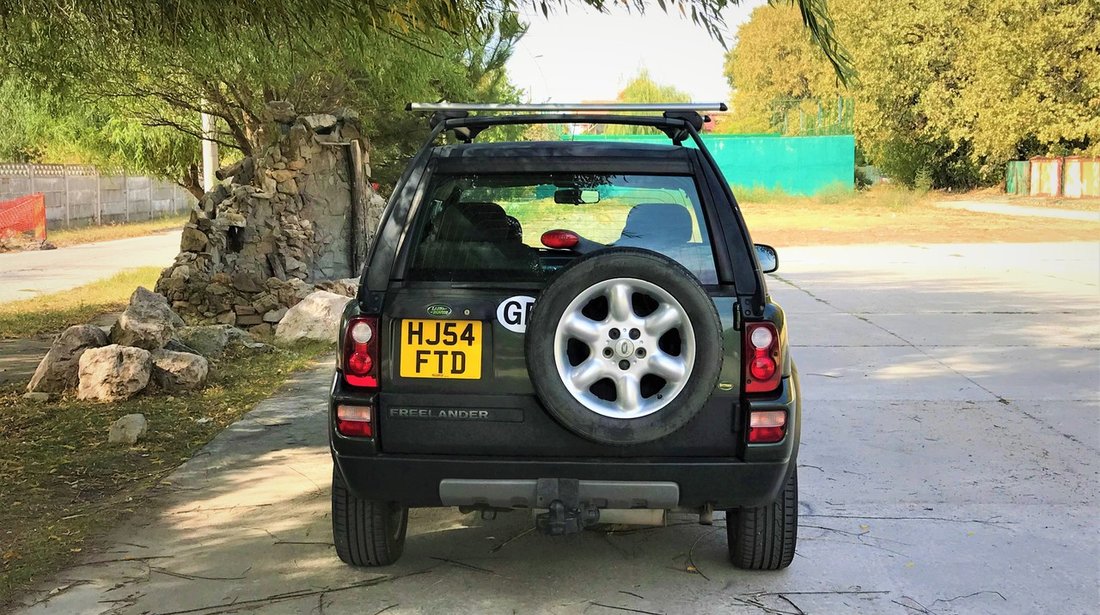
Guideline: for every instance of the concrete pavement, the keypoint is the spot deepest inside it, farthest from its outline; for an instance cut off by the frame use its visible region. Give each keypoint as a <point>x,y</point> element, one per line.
<point>1006,209</point>
<point>949,464</point>
<point>26,274</point>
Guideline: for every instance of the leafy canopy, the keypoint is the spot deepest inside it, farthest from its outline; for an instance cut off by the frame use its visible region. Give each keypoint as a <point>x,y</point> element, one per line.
<point>643,89</point>
<point>946,90</point>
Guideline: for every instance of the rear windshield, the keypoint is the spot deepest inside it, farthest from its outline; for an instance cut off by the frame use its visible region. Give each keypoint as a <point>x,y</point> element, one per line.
<point>489,227</point>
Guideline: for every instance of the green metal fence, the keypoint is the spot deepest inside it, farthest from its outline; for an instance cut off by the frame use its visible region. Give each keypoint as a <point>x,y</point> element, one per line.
<point>795,165</point>
<point>1018,177</point>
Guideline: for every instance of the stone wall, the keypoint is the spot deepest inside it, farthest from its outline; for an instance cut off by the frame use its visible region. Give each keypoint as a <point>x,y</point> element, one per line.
<point>289,219</point>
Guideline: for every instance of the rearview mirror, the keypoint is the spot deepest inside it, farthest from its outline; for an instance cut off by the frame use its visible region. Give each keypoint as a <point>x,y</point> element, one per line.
<point>576,196</point>
<point>767,257</point>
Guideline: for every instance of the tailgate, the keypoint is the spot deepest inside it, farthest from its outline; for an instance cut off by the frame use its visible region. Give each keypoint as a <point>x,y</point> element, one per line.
<point>455,382</point>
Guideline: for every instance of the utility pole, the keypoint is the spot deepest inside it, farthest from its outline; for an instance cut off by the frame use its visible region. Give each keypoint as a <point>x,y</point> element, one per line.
<point>209,152</point>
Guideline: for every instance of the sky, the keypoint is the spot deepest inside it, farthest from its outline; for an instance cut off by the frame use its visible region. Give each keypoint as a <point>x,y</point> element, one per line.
<point>580,54</point>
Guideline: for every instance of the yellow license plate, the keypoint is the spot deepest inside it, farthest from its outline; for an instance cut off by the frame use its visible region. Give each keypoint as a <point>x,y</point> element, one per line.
<point>441,349</point>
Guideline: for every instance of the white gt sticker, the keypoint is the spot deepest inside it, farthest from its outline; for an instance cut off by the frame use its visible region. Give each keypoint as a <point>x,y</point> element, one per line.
<point>512,313</point>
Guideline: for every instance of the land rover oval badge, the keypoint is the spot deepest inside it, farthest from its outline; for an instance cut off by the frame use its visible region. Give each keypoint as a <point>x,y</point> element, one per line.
<point>439,309</point>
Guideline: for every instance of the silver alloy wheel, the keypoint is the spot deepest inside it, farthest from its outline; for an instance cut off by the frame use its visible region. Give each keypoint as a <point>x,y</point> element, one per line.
<point>624,348</point>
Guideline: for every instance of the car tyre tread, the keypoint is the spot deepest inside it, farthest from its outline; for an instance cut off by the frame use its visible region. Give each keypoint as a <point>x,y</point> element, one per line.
<point>764,537</point>
<point>364,531</point>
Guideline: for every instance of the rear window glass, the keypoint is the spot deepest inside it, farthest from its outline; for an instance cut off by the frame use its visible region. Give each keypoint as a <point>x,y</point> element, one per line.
<point>489,227</point>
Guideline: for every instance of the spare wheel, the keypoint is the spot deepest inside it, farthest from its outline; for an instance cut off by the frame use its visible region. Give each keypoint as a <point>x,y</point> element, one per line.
<point>624,346</point>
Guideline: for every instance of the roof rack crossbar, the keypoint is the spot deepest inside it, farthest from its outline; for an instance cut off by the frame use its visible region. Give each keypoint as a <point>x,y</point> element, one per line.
<point>565,107</point>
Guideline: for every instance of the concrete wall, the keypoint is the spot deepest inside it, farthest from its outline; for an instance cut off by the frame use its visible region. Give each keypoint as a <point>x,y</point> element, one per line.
<point>78,195</point>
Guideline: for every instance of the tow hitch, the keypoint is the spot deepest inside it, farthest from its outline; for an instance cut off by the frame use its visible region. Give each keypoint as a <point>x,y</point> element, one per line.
<point>565,514</point>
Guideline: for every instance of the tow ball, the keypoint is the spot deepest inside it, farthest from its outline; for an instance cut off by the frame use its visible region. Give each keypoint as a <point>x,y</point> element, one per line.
<point>565,514</point>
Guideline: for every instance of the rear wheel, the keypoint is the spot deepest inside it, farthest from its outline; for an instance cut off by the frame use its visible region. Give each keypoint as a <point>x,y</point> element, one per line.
<point>366,532</point>
<point>764,537</point>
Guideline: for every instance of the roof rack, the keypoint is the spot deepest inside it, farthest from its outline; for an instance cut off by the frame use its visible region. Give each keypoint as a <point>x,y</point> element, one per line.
<point>565,107</point>
<point>673,121</point>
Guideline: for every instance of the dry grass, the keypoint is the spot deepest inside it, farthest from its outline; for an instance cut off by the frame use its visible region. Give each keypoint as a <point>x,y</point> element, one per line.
<point>54,311</point>
<point>888,214</point>
<point>107,232</point>
<point>63,486</point>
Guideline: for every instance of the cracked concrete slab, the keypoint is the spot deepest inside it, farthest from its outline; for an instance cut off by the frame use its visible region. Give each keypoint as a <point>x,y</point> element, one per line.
<point>942,471</point>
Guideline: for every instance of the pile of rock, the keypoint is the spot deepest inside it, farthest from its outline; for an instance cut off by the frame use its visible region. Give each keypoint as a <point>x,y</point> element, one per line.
<point>296,214</point>
<point>149,345</point>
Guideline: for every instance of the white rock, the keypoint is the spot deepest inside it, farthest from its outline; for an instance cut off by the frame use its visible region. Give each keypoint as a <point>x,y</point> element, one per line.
<point>148,322</point>
<point>128,429</point>
<point>60,368</point>
<point>317,317</point>
<point>113,373</point>
<point>36,396</point>
<point>319,121</point>
<point>179,371</point>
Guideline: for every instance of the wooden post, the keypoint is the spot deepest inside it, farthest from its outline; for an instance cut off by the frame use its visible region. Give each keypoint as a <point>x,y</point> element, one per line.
<point>65,179</point>
<point>98,197</point>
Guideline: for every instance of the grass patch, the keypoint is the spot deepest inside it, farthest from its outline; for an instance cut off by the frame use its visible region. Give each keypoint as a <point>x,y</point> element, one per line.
<point>53,312</point>
<point>62,485</point>
<point>106,232</point>
<point>891,214</point>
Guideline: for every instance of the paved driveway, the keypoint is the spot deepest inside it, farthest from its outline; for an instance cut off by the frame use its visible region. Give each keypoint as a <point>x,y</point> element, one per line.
<point>26,274</point>
<point>949,465</point>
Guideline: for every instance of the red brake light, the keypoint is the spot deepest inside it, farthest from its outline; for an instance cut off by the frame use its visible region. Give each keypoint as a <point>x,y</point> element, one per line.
<point>361,342</point>
<point>560,239</point>
<point>767,426</point>
<point>762,358</point>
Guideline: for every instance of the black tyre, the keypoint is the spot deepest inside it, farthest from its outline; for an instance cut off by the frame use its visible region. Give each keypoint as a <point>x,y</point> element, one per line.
<point>624,346</point>
<point>764,537</point>
<point>366,532</point>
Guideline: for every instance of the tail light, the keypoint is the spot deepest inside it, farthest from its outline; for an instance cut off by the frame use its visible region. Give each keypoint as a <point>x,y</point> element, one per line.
<point>361,342</point>
<point>560,239</point>
<point>762,360</point>
<point>767,426</point>
<point>354,420</point>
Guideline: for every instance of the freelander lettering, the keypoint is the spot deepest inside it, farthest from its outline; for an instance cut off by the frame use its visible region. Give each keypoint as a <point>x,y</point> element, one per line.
<point>439,413</point>
<point>443,333</point>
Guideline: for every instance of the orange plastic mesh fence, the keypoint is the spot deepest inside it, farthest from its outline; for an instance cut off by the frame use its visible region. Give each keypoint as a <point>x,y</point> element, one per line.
<point>26,214</point>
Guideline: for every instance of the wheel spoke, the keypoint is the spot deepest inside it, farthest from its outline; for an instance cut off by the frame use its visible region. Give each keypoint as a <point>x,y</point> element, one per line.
<point>618,302</point>
<point>628,392</point>
<point>672,369</point>
<point>662,319</point>
<point>582,328</point>
<point>586,374</point>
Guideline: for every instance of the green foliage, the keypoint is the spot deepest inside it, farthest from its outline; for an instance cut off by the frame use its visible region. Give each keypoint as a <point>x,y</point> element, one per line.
<point>125,80</point>
<point>643,89</point>
<point>118,101</point>
<point>781,82</point>
<point>955,89</point>
<point>146,21</point>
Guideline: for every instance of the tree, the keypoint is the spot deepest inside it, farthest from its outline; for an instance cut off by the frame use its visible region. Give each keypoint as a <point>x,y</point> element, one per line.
<point>116,90</point>
<point>947,90</point>
<point>159,21</point>
<point>643,89</point>
<point>778,77</point>
<point>117,67</point>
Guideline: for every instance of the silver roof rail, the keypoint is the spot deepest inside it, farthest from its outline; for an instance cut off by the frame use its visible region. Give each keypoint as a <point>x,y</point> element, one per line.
<point>565,107</point>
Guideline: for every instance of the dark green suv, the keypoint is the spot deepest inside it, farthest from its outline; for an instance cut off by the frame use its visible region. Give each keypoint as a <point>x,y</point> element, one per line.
<point>576,328</point>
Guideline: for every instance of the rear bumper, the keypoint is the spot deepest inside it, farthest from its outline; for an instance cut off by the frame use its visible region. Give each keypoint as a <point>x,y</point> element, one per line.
<point>415,480</point>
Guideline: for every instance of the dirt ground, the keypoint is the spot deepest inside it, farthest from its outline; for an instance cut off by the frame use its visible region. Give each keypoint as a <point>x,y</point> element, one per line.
<point>902,218</point>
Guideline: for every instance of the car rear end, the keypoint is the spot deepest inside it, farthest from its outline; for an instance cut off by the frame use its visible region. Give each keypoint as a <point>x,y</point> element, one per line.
<point>433,401</point>
<point>443,369</point>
